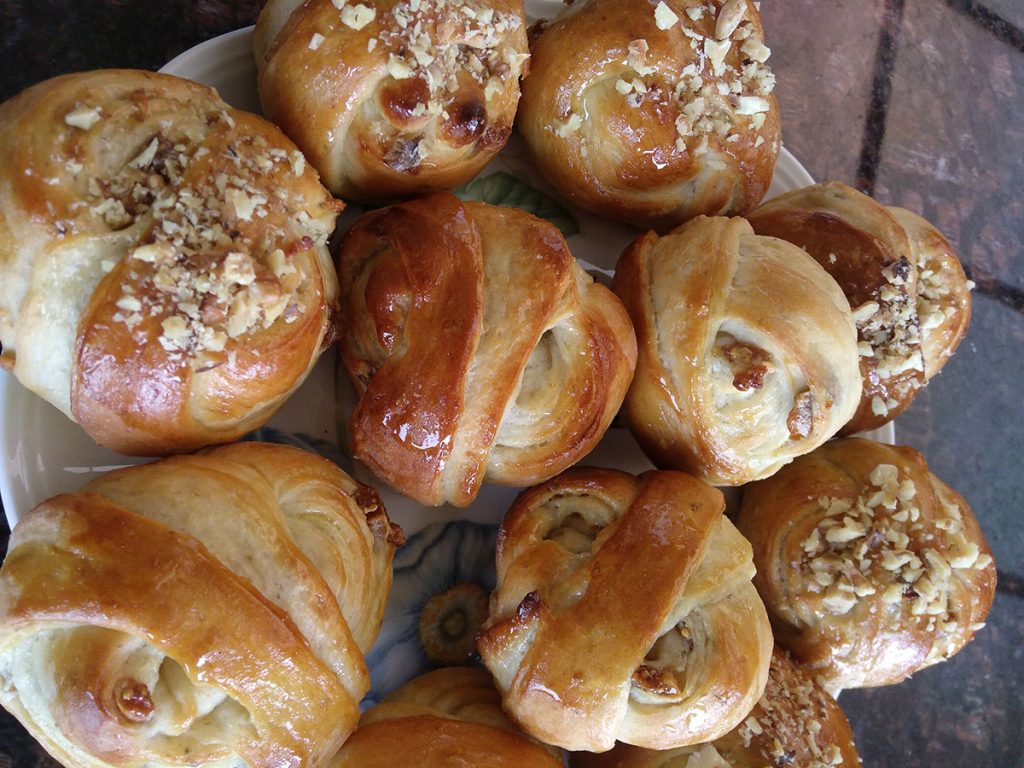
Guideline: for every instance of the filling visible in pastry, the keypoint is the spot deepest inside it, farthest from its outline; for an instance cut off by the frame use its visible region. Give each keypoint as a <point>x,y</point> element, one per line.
<point>574,521</point>
<point>82,668</point>
<point>759,400</point>
<point>575,534</point>
<point>666,674</point>
<point>533,413</point>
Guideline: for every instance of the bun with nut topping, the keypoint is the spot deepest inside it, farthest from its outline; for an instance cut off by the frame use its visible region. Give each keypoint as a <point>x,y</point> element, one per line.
<point>870,566</point>
<point>167,282</point>
<point>391,99</point>
<point>653,113</point>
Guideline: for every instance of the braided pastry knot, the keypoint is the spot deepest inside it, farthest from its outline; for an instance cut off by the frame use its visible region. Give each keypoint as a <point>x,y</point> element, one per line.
<point>479,347</point>
<point>203,610</point>
<point>909,294</point>
<point>451,716</point>
<point>393,98</point>
<point>747,350</point>
<point>653,113</point>
<point>167,282</point>
<point>870,566</point>
<point>624,611</point>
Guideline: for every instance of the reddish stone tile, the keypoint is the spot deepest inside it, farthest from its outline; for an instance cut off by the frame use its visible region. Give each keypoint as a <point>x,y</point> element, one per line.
<point>823,96</point>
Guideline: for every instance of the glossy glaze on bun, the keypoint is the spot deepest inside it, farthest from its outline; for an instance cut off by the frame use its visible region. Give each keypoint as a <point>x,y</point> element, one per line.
<point>202,610</point>
<point>624,611</point>
<point>747,350</point>
<point>167,282</point>
<point>479,348</point>
<point>393,98</point>
<point>870,566</point>
<point>653,113</point>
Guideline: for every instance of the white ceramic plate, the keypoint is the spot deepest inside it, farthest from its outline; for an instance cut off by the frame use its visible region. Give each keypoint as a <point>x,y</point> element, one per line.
<point>42,453</point>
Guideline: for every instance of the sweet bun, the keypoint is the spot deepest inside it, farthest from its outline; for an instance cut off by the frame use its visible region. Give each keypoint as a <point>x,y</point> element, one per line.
<point>624,611</point>
<point>202,610</point>
<point>392,98</point>
<point>167,282</point>
<point>479,348</point>
<point>795,723</point>
<point>909,294</point>
<point>870,566</point>
<point>747,351</point>
<point>451,716</point>
<point>653,113</point>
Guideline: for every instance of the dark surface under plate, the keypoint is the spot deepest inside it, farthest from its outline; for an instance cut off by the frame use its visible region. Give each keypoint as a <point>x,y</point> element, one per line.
<point>918,102</point>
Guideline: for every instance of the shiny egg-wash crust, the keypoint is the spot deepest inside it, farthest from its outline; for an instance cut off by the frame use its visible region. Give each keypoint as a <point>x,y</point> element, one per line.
<point>479,348</point>
<point>870,566</point>
<point>795,723</point>
<point>624,611</point>
<point>445,717</point>
<point>167,282</point>
<point>747,351</point>
<point>202,609</point>
<point>390,99</point>
<point>652,114</point>
<point>909,295</point>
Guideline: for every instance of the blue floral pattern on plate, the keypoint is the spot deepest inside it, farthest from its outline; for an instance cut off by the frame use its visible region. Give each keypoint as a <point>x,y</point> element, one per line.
<point>443,577</point>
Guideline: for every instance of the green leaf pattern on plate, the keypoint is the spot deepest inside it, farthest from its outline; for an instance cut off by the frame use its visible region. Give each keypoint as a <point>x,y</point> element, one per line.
<point>512,192</point>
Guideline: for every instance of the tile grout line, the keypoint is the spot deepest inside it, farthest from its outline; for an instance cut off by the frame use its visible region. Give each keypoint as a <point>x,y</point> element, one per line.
<point>881,89</point>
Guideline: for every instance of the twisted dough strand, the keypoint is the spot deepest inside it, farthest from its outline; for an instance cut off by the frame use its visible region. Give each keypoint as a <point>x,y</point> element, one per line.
<point>172,613</point>
<point>534,356</point>
<point>624,610</point>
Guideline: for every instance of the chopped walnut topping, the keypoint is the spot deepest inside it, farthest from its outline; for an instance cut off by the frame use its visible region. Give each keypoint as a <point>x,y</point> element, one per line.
<point>357,16</point>
<point>785,726</point>
<point>664,16</point>
<point>439,42</point>
<point>716,51</point>
<point>83,117</point>
<point>637,57</point>
<point>888,325</point>
<point>751,105</point>
<point>714,97</point>
<point>729,18</point>
<point>195,263</point>
<point>863,547</point>
<point>569,127</point>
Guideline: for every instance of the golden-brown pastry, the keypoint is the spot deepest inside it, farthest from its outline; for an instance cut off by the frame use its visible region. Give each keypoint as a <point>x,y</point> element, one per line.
<point>909,294</point>
<point>795,723</point>
<point>624,611</point>
<point>870,566</point>
<point>479,348</point>
<point>747,351</point>
<point>166,277</point>
<point>451,716</point>
<point>206,609</point>
<point>392,98</point>
<point>653,113</point>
